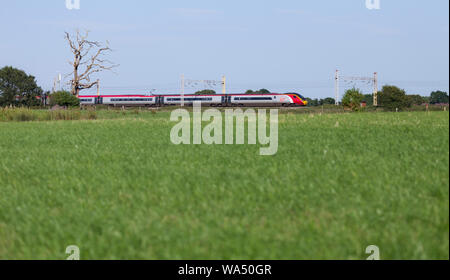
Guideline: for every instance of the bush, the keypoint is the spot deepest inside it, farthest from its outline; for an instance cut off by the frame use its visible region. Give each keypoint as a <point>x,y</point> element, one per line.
<point>352,99</point>
<point>439,97</point>
<point>64,98</point>
<point>393,98</point>
<point>416,99</point>
<point>206,92</point>
<point>261,91</point>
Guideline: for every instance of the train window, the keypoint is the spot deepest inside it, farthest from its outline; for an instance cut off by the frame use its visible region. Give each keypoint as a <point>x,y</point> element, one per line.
<point>254,98</point>
<point>130,99</point>
<point>190,99</point>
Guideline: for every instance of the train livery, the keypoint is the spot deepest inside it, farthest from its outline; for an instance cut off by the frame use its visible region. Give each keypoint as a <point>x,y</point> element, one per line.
<point>216,100</point>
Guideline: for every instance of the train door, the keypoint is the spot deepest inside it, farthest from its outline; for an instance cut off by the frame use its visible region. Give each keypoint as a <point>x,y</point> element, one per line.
<point>159,101</point>
<point>228,100</point>
<point>99,100</point>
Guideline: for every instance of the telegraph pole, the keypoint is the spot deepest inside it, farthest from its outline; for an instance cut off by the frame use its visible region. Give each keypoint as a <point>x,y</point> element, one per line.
<point>375,89</point>
<point>182,90</point>
<point>373,80</point>
<point>336,87</point>
<point>98,88</point>
<point>57,83</point>
<point>224,85</point>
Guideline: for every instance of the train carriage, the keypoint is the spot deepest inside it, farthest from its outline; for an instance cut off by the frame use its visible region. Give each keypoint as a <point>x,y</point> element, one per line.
<point>207,100</point>
<point>262,100</point>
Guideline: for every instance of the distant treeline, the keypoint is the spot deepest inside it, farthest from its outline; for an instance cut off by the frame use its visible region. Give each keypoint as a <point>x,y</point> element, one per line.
<point>210,91</point>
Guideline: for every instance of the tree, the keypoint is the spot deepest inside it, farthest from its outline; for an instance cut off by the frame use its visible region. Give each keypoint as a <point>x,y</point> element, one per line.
<point>392,98</point>
<point>416,99</point>
<point>353,98</point>
<point>328,101</point>
<point>18,88</point>
<point>438,97</point>
<point>368,98</point>
<point>64,98</point>
<point>206,92</point>
<point>261,91</point>
<point>312,102</point>
<point>81,48</point>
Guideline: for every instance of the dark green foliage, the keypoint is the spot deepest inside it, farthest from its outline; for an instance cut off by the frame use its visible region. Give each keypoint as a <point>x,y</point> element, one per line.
<point>261,91</point>
<point>206,92</point>
<point>416,99</point>
<point>327,101</point>
<point>312,102</point>
<point>393,98</point>
<point>368,98</point>
<point>64,98</point>
<point>17,88</point>
<point>438,97</point>
<point>352,99</point>
<point>319,102</point>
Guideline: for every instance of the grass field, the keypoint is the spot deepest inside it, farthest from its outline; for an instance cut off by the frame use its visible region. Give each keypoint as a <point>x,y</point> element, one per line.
<point>118,189</point>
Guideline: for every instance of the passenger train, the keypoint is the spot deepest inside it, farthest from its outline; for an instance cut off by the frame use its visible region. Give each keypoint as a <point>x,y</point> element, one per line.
<point>216,100</point>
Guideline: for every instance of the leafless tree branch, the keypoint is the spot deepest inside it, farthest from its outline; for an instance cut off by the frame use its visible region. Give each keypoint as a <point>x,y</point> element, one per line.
<point>84,56</point>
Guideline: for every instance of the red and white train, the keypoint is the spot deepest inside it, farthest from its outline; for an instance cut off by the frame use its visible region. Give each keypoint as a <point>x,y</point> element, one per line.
<point>216,100</point>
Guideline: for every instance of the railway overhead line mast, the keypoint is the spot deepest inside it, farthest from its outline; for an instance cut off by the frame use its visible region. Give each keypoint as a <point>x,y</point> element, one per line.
<point>353,79</point>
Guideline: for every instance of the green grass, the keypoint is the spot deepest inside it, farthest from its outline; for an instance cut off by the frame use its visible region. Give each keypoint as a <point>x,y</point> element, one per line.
<point>119,189</point>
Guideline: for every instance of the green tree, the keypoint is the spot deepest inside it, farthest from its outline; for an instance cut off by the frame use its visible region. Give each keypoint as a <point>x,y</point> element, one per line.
<point>328,101</point>
<point>312,102</point>
<point>369,99</point>
<point>261,91</point>
<point>206,92</point>
<point>438,97</point>
<point>64,98</point>
<point>18,88</point>
<point>416,99</point>
<point>392,98</point>
<point>352,99</point>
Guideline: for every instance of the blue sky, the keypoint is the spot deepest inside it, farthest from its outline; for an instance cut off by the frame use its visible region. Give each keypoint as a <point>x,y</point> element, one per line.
<point>284,45</point>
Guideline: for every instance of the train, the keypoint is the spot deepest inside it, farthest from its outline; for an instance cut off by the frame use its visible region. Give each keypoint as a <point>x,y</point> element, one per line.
<point>216,100</point>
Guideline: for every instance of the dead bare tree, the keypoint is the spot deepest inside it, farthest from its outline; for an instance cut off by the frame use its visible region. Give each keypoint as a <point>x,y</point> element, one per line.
<point>88,54</point>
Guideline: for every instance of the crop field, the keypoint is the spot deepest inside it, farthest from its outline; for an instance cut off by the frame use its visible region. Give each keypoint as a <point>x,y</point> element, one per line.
<point>119,189</point>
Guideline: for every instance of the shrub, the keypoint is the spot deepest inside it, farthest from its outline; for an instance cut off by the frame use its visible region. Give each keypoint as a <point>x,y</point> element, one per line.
<point>64,98</point>
<point>439,97</point>
<point>393,98</point>
<point>352,99</point>
<point>206,92</point>
<point>416,99</point>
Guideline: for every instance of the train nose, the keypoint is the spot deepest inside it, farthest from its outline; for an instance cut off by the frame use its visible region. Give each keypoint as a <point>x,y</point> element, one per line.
<point>305,102</point>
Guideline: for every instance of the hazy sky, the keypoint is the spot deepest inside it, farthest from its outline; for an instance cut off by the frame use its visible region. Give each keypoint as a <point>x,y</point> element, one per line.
<point>284,45</point>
